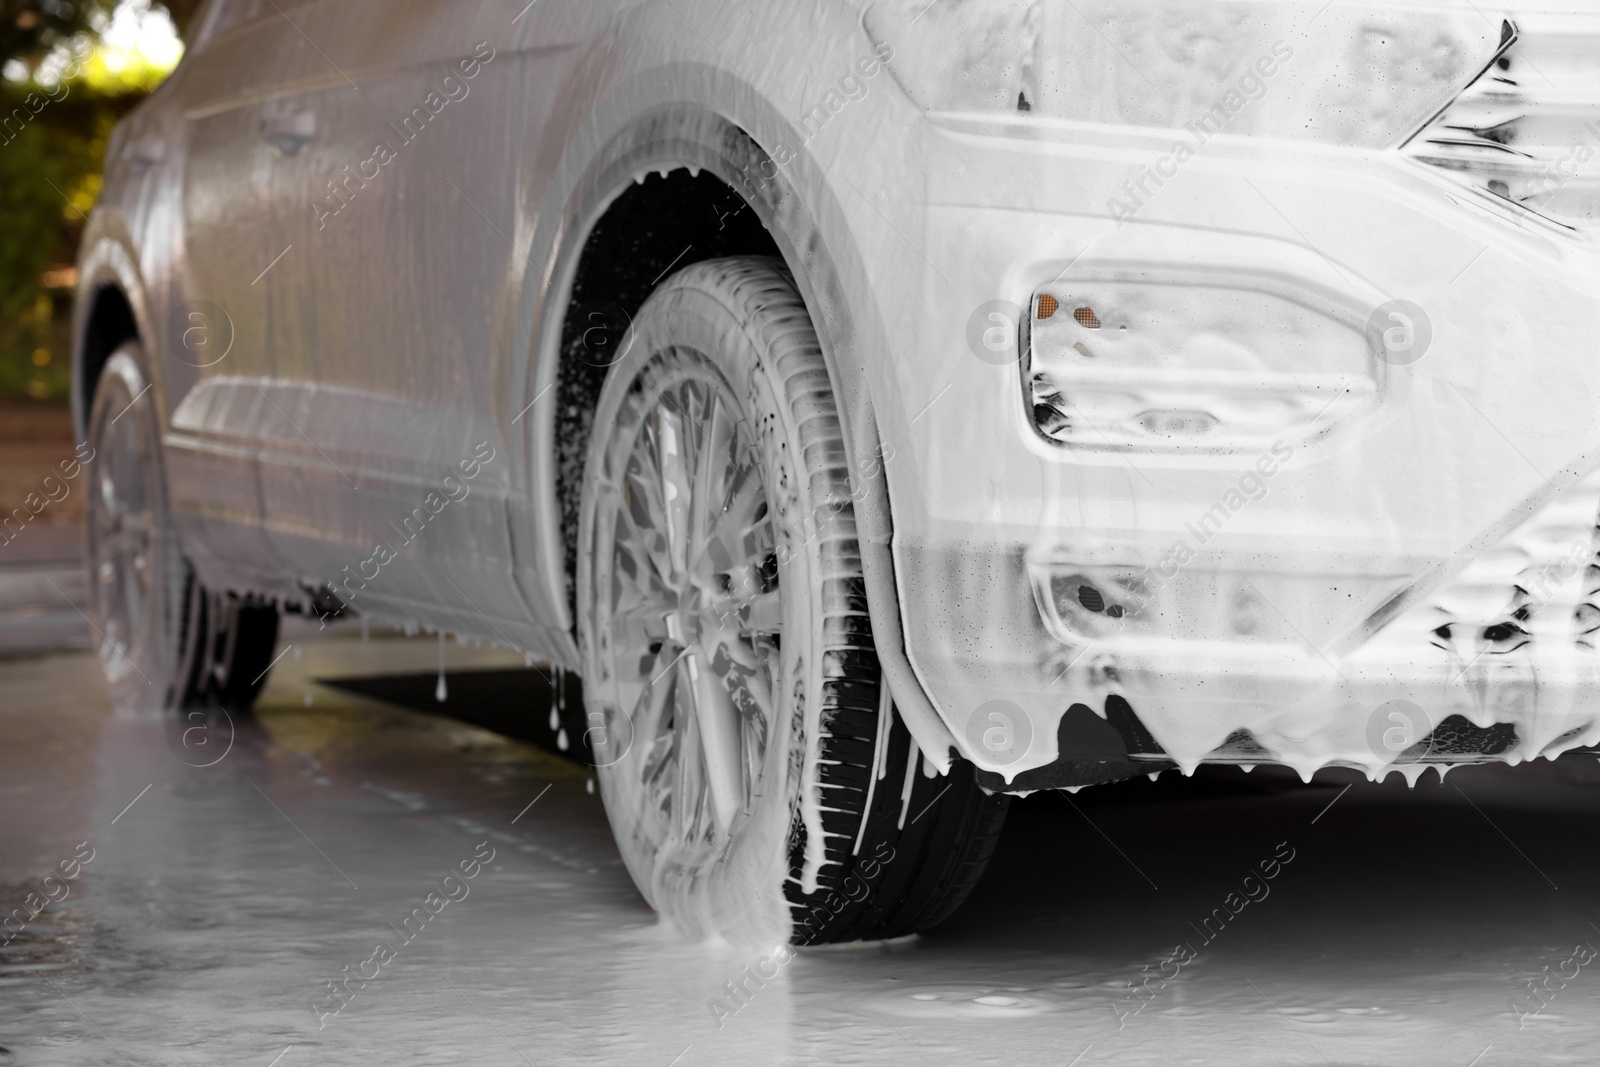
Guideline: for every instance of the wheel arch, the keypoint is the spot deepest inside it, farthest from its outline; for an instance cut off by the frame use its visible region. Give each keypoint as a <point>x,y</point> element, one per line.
<point>718,126</point>
<point>109,308</point>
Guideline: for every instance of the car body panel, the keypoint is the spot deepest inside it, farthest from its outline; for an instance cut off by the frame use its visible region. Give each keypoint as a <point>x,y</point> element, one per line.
<point>385,328</point>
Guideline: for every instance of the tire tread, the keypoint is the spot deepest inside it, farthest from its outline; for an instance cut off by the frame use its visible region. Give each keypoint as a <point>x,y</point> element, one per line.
<point>951,826</point>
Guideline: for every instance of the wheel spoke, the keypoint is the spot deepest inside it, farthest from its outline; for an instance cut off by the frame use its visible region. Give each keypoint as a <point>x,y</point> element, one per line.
<point>654,727</point>
<point>672,460</point>
<point>110,506</point>
<point>744,512</point>
<point>128,466</point>
<point>640,607</point>
<point>743,673</point>
<point>713,468</point>
<point>690,799</point>
<point>640,523</point>
<point>720,748</point>
<point>739,542</point>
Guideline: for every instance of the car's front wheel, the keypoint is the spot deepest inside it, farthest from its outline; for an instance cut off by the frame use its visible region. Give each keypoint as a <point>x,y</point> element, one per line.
<point>770,790</point>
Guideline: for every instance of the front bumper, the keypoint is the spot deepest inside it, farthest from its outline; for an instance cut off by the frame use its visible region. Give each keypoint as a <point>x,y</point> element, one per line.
<point>1435,544</point>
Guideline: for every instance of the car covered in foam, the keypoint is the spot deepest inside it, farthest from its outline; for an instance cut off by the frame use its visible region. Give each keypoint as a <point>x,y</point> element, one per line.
<point>881,407</point>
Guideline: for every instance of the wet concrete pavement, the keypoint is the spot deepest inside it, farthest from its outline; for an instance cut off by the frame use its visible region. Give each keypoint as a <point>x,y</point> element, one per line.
<point>1370,926</point>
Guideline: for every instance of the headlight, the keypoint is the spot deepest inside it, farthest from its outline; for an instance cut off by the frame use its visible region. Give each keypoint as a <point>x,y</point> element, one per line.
<point>1122,357</point>
<point>1366,75</point>
<point>1528,129</point>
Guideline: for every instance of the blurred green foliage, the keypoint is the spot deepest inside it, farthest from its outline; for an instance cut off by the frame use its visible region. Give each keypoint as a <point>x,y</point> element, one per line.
<point>52,143</point>
<point>31,28</point>
<point>49,178</point>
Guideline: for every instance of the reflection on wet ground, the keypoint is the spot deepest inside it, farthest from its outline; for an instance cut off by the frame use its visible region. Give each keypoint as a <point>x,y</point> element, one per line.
<point>234,912</point>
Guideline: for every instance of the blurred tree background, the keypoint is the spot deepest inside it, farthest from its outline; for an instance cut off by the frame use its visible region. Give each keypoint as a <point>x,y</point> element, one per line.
<point>69,69</point>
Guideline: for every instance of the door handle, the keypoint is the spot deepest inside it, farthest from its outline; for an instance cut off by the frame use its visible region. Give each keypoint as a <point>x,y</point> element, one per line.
<point>288,131</point>
<point>146,151</point>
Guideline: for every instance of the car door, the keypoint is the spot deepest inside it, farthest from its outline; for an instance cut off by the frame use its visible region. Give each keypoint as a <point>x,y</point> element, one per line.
<point>397,208</point>
<point>212,328</point>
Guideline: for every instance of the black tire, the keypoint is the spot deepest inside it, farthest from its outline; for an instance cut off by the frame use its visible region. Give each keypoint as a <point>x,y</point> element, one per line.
<point>933,833</point>
<point>841,835</point>
<point>233,642</point>
<point>164,642</point>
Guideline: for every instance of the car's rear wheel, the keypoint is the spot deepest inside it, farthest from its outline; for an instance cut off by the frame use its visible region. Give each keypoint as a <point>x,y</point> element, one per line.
<point>770,790</point>
<point>164,642</point>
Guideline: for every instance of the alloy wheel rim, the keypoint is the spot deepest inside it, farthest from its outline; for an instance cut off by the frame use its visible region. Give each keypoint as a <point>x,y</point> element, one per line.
<point>122,529</point>
<point>688,609</point>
